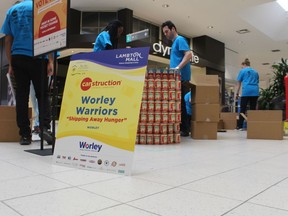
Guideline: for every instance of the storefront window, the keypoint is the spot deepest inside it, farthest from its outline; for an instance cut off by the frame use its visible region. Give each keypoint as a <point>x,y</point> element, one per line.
<point>139,25</point>
<point>94,22</point>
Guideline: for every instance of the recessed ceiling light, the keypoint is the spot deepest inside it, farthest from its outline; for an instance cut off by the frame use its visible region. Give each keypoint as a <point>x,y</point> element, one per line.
<point>165,5</point>
<point>210,27</point>
<point>275,50</point>
<point>243,31</point>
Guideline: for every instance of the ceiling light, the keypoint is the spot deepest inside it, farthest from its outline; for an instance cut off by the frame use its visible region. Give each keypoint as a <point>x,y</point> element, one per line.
<point>165,5</point>
<point>243,31</point>
<point>275,50</point>
<point>283,4</point>
<point>210,27</point>
<point>266,63</point>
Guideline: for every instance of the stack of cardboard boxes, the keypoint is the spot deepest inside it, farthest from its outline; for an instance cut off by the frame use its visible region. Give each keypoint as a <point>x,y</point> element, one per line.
<point>205,107</point>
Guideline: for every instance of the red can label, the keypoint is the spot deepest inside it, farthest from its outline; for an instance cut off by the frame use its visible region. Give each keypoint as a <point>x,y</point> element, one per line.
<point>177,138</point>
<point>143,117</point>
<point>170,128</point>
<point>164,117</point>
<point>137,139</point>
<point>150,106</point>
<point>157,95</point>
<point>158,74</point>
<point>176,128</point>
<point>164,95</point>
<point>172,117</point>
<point>150,84</point>
<point>149,128</point>
<point>178,117</point>
<point>142,128</point>
<point>144,106</point>
<point>178,95</point>
<point>157,117</point>
<point>165,74</point>
<point>163,139</point>
<point>144,95</point>
<point>178,106</point>
<point>142,138</point>
<point>150,94</point>
<point>171,84</point>
<point>165,106</point>
<point>150,117</point>
<point>156,129</point>
<point>157,106</point>
<point>178,85</point>
<point>157,84</point>
<point>172,95</point>
<point>149,139</point>
<point>165,84</point>
<point>171,106</point>
<point>170,138</point>
<point>163,128</point>
<point>156,139</point>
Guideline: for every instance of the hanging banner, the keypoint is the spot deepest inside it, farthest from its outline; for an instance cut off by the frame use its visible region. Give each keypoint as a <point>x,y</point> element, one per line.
<point>100,110</point>
<point>50,25</point>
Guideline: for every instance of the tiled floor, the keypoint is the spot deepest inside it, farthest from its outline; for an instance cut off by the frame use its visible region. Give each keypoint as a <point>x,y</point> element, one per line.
<point>230,176</point>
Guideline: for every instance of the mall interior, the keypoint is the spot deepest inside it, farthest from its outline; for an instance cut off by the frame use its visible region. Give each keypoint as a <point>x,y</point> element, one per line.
<point>216,171</point>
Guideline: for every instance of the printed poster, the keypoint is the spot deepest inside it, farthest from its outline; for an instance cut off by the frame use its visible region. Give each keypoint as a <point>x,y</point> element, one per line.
<point>100,110</point>
<point>50,25</point>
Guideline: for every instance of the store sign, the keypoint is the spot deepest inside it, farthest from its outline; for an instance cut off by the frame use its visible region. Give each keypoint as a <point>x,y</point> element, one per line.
<point>166,50</point>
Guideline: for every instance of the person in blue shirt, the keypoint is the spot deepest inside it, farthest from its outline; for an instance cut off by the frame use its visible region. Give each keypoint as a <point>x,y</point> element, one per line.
<point>18,31</point>
<point>180,59</point>
<point>248,78</point>
<point>108,38</point>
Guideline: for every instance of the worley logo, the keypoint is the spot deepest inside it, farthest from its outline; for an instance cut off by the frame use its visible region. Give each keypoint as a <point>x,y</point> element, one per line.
<point>91,146</point>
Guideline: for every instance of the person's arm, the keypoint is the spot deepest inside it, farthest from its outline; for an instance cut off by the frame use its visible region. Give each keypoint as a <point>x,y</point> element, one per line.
<point>238,86</point>
<point>8,46</point>
<point>50,64</point>
<point>185,60</point>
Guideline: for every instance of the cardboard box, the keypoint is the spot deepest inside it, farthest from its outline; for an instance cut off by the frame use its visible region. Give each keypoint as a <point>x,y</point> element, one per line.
<point>204,130</point>
<point>264,115</point>
<point>205,112</point>
<point>265,130</point>
<point>8,126</point>
<point>229,119</point>
<point>265,124</point>
<point>205,89</point>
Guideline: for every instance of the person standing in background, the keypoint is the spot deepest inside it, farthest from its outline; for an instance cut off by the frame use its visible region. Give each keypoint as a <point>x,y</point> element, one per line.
<point>248,78</point>
<point>18,32</point>
<point>108,38</point>
<point>180,59</point>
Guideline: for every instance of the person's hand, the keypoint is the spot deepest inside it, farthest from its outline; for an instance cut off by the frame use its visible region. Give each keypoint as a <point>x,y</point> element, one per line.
<point>10,70</point>
<point>50,67</point>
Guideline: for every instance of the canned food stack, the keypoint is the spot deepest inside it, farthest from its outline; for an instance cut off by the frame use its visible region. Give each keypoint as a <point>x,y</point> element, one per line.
<point>160,115</point>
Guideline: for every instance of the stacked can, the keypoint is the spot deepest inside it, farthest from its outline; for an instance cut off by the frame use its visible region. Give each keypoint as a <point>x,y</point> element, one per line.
<point>160,115</point>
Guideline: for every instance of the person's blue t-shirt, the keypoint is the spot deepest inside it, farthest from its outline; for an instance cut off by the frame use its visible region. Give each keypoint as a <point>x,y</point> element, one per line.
<point>178,49</point>
<point>18,24</point>
<point>187,99</point>
<point>101,41</point>
<point>249,79</point>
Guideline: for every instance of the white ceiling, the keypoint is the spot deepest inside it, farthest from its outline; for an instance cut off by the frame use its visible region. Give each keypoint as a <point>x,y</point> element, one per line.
<point>265,19</point>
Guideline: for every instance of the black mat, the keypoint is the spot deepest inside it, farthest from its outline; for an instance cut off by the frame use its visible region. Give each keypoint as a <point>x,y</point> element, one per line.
<point>44,152</point>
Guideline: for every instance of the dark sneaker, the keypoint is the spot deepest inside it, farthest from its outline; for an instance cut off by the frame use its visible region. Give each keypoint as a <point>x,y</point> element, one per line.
<point>47,136</point>
<point>184,134</point>
<point>25,140</point>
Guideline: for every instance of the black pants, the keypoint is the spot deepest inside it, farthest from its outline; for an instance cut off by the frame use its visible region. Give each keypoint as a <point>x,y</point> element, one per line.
<point>185,118</point>
<point>27,69</point>
<point>252,100</point>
